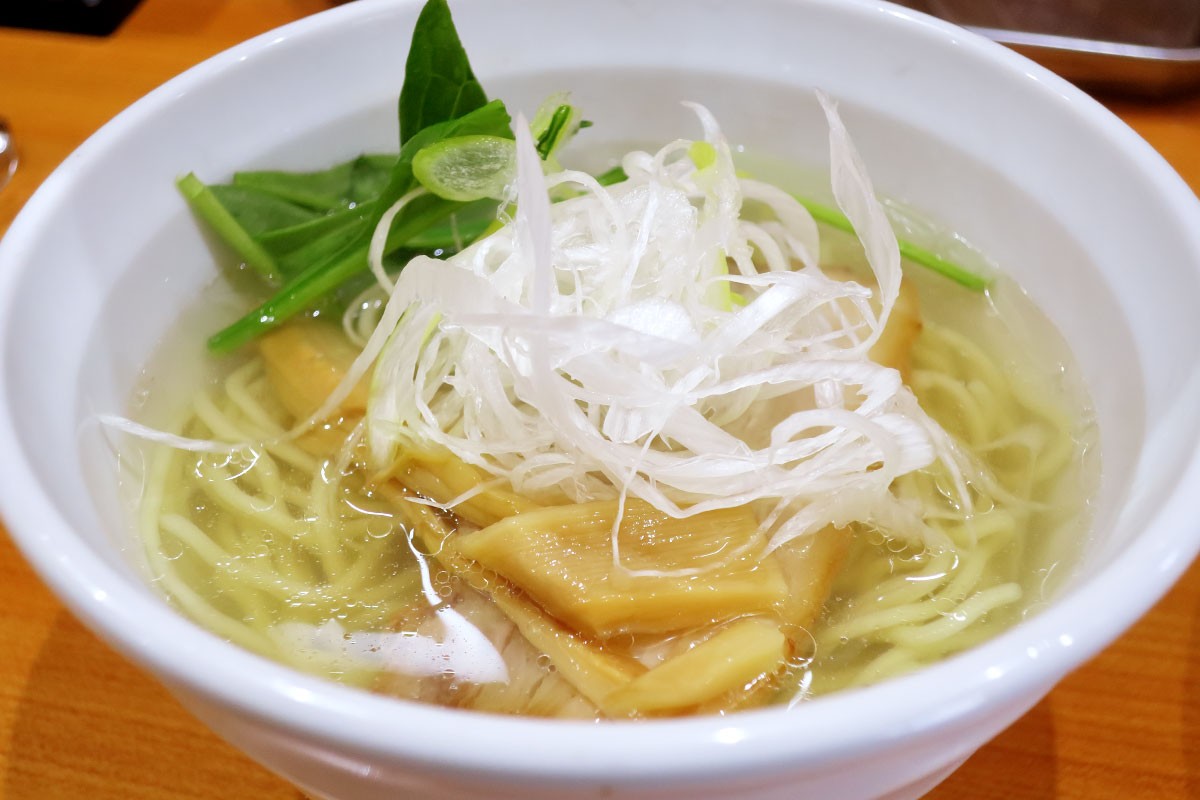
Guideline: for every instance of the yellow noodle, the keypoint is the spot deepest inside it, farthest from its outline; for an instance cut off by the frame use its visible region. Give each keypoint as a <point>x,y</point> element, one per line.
<point>218,559</point>
<point>970,611</point>
<point>892,663</point>
<point>246,509</point>
<point>971,423</point>
<point>330,550</point>
<point>238,391</point>
<point>909,609</point>
<point>234,499</point>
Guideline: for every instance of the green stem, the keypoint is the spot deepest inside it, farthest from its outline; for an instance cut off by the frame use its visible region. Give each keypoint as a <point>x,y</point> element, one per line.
<point>914,253</point>
<point>209,209</point>
<point>306,288</point>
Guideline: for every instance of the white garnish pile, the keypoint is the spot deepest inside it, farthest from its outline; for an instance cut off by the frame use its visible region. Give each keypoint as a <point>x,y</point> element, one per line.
<point>600,347</point>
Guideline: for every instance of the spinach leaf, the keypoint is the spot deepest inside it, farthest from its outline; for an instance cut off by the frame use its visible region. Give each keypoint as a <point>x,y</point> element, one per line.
<point>258,212</point>
<point>368,177</point>
<point>319,249</point>
<point>438,82</point>
<point>464,226</point>
<point>283,241</point>
<point>278,237</point>
<point>350,259</point>
<point>354,181</point>
<point>315,254</point>
<point>323,277</point>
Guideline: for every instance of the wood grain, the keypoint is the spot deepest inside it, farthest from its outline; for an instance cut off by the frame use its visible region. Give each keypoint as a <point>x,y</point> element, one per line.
<point>76,721</point>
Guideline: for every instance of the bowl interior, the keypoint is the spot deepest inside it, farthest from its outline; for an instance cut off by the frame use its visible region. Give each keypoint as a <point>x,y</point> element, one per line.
<point>1081,213</point>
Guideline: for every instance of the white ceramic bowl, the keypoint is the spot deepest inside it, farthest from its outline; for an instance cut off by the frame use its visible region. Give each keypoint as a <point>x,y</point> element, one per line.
<point>1101,232</point>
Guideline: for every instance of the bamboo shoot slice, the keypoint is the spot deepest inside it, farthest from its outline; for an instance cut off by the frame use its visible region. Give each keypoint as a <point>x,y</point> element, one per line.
<point>809,565</point>
<point>592,671</point>
<point>734,657</point>
<point>446,478</point>
<point>305,361</point>
<point>561,556</point>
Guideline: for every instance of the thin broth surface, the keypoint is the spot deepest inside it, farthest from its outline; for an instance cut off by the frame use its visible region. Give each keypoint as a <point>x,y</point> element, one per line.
<point>293,550</point>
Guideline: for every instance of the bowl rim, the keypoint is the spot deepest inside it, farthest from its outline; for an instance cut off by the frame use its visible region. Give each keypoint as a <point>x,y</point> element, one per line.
<point>1018,664</point>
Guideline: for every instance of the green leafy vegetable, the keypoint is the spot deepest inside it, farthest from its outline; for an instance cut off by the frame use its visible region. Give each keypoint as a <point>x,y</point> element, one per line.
<point>209,208</point>
<point>438,82</point>
<point>286,240</point>
<point>323,247</point>
<point>346,261</point>
<point>258,212</point>
<point>308,233</point>
<point>278,221</point>
<point>323,277</point>
<point>355,181</point>
<point>466,225</point>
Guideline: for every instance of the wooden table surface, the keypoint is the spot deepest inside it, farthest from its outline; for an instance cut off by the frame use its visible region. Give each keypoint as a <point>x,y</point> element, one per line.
<point>76,721</point>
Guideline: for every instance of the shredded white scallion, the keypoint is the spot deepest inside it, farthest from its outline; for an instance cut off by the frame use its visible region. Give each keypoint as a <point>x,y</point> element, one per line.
<point>643,339</point>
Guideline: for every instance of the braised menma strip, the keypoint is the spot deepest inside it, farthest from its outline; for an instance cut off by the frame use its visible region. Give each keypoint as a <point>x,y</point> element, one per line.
<point>591,670</point>
<point>675,574</point>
